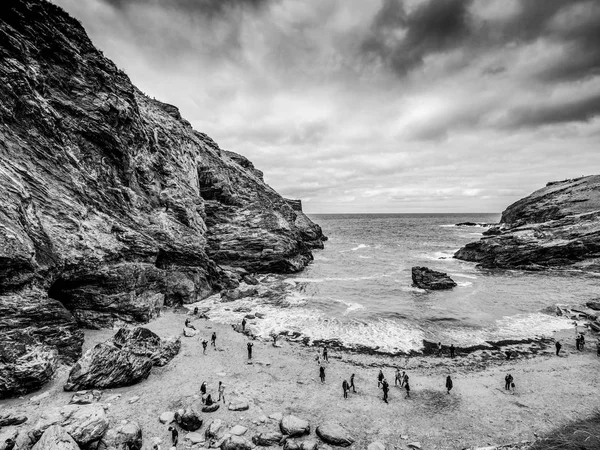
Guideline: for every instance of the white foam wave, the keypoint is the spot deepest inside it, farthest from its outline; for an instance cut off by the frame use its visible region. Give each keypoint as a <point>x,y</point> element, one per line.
<point>463,275</point>
<point>359,247</point>
<point>464,283</point>
<point>446,255</point>
<point>449,225</point>
<point>365,257</point>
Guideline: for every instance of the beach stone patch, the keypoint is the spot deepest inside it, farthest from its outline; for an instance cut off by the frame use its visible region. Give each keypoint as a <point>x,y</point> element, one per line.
<point>188,419</point>
<point>167,417</point>
<point>238,405</point>
<point>334,434</point>
<point>293,426</point>
<point>236,443</point>
<point>214,429</point>
<point>291,445</point>
<point>56,438</point>
<point>127,435</point>
<point>268,439</point>
<point>86,397</point>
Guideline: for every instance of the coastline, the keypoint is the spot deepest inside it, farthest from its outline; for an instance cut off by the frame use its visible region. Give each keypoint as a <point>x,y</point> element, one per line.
<point>284,379</point>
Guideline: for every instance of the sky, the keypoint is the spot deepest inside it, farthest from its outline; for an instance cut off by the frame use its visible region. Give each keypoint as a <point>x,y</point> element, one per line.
<point>359,106</point>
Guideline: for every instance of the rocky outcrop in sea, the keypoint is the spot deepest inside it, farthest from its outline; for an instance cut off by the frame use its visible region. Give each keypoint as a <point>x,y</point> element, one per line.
<point>112,205</point>
<point>425,278</point>
<point>556,226</point>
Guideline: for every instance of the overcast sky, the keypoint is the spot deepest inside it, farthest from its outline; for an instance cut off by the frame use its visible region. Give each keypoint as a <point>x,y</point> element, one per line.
<point>375,106</point>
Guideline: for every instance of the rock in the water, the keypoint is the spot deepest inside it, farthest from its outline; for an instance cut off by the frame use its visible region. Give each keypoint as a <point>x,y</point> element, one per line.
<point>86,397</point>
<point>268,439</point>
<point>125,436</point>
<point>189,420</point>
<point>334,434</point>
<point>7,420</point>
<point>238,405</point>
<point>293,426</point>
<point>426,278</point>
<point>558,225</point>
<point>167,417</point>
<point>56,438</point>
<point>236,443</point>
<point>124,360</point>
<point>238,430</point>
<point>214,429</point>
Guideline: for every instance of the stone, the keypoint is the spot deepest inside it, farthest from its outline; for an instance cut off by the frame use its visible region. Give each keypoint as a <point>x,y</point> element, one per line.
<point>134,399</point>
<point>416,445</point>
<point>10,419</point>
<point>276,416</point>
<point>189,420</point>
<point>56,438</point>
<point>86,397</point>
<point>290,444</point>
<point>294,426</point>
<point>190,332</point>
<point>334,434</point>
<point>238,405</point>
<point>8,437</point>
<point>376,446</point>
<point>595,305</point>
<point>425,278</point>
<point>195,438</point>
<point>214,429</point>
<point>167,417</point>
<point>238,430</point>
<point>236,443</point>
<point>210,408</point>
<point>309,444</point>
<point>124,360</point>
<point>268,439</point>
<point>125,436</point>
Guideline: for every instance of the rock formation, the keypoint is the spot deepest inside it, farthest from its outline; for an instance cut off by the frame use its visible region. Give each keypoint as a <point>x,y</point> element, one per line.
<point>558,225</point>
<point>112,204</point>
<point>426,278</point>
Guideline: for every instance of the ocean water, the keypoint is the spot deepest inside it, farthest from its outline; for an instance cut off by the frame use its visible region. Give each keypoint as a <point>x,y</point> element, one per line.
<point>359,288</point>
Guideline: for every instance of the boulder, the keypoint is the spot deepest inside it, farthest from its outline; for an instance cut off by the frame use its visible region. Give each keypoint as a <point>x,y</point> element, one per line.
<point>238,430</point>
<point>293,426</point>
<point>290,444</point>
<point>167,417</point>
<point>415,445</point>
<point>426,278</point>
<point>8,437</point>
<point>141,341</point>
<point>334,434</point>
<point>238,405</point>
<point>190,332</point>
<point>309,444</point>
<point>236,443</point>
<point>276,416</point>
<point>125,436</point>
<point>189,420</point>
<point>594,304</point>
<point>7,420</point>
<point>56,438</point>
<point>268,439</point>
<point>214,429</point>
<point>86,397</point>
<point>195,438</point>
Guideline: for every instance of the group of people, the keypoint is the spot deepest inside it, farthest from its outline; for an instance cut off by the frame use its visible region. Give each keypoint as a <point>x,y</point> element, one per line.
<point>440,350</point>
<point>213,343</point>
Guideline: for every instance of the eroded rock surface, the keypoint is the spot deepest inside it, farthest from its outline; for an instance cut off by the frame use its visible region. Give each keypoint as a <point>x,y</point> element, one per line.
<point>556,226</point>
<point>426,278</point>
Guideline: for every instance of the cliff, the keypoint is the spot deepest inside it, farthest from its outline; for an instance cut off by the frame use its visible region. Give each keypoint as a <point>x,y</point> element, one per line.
<point>556,226</point>
<point>111,204</point>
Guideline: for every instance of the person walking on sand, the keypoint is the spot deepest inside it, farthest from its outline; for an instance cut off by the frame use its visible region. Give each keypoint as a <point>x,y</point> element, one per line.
<point>203,389</point>
<point>558,347</point>
<point>325,357</point>
<point>405,379</point>
<point>244,324</point>
<point>581,341</point>
<point>439,347</point>
<point>386,388</point>
<point>452,350</point>
<point>352,384</point>
<point>204,345</point>
<point>578,342</point>
<point>322,373</point>
<point>380,378</point>
<point>221,391</point>
<point>397,377</point>
<point>249,345</point>
<point>508,379</point>
<point>346,388</point>
<point>407,387</point>
<point>448,384</point>
<point>213,340</point>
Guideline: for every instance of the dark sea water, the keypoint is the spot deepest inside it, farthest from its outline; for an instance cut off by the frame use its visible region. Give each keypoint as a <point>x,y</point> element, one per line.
<point>359,288</point>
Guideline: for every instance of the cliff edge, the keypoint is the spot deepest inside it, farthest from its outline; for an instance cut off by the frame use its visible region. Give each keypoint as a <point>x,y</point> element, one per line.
<point>556,226</point>
<point>111,204</point>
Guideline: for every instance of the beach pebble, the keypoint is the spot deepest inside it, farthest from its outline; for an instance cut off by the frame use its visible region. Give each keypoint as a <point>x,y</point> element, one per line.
<point>294,426</point>
<point>416,445</point>
<point>195,438</point>
<point>56,437</point>
<point>238,430</point>
<point>238,405</point>
<point>167,417</point>
<point>268,439</point>
<point>214,429</point>
<point>376,446</point>
<point>334,434</point>
<point>276,416</point>
<point>134,399</point>
<point>309,444</point>
<point>236,443</point>
<point>189,420</point>
<point>262,419</point>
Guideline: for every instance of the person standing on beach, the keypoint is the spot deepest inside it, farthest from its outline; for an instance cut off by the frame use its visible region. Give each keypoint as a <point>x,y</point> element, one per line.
<point>508,379</point>
<point>244,324</point>
<point>221,391</point>
<point>325,358</point>
<point>174,435</point>
<point>213,340</point>
<point>508,354</point>
<point>397,379</point>
<point>558,347</point>
<point>385,387</point>
<point>402,378</point>
<point>407,387</point>
<point>439,347</point>
<point>448,384</point>
<point>318,358</point>
<point>352,384</point>
<point>322,373</point>
<point>249,345</point>
<point>380,378</point>
<point>405,379</point>
<point>346,388</point>
<point>578,342</point>
<point>581,341</point>
<point>203,389</point>
<point>274,339</point>
<point>452,349</point>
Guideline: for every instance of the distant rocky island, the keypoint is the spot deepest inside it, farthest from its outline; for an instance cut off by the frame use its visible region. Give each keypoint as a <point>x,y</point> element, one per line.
<point>556,226</point>
<point>112,205</point>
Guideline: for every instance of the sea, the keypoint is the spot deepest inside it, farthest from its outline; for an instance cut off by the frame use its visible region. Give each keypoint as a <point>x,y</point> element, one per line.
<point>358,290</point>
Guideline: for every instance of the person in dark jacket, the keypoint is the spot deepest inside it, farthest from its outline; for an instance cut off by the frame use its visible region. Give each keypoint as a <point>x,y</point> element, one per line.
<point>322,373</point>
<point>249,345</point>
<point>174,435</point>
<point>386,388</point>
<point>558,347</point>
<point>448,383</point>
<point>452,350</point>
<point>508,379</point>
<point>213,340</point>
<point>325,357</point>
<point>345,388</point>
<point>244,324</point>
<point>352,384</point>
<point>380,378</point>
<point>407,387</point>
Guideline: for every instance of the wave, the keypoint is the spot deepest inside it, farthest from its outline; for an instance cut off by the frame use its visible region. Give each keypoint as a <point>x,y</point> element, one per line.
<point>359,247</point>
<point>464,283</point>
<point>463,275</point>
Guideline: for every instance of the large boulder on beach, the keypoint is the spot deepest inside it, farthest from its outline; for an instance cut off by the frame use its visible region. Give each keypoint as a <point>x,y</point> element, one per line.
<point>214,429</point>
<point>334,434</point>
<point>7,420</point>
<point>426,278</point>
<point>238,404</point>
<point>236,443</point>
<point>124,360</point>
<point>594,304</point>
<point>124,436</point>
<point>293,426</point>
<point>56,438</point>
<point>188,419</point>
<point>268,439</point>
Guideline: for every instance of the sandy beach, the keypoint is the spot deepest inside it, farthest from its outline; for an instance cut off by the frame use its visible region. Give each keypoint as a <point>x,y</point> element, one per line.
<point>478,412</point>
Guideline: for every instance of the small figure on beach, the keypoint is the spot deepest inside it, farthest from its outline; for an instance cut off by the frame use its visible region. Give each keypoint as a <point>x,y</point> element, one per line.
<point>402,378</point>
<point>407,387</point>
<point>188,324</point>
<point>213,340</point>
<point>448,383</point>
<point>352,384</point>
<point>508,354</point>
<point>385,387</point>
<point>558,347</point>
<point>221,392</point>
<point>325,357</point>
<point>322,373</point>
<point>397,377</point>
<point>203,389</point>
<point>452,350</point>
<point>318,358</point>
<point>174,435</point>
<point>209,401</point>
<point>196,311</point>
<point>508,379</point>
<point>439,347</point>
<point>249,345</point>
<point>244,324</point>
<point>275,336</point>
<point>581,341</point>
<point>345,388</point>
<point>204,345</point>
<point>405,380</point>
<point>380,378</point>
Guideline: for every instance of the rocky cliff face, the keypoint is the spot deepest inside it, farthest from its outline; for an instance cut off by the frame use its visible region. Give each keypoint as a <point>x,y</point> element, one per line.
<point>558,225</point>
<point>111,204</point>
